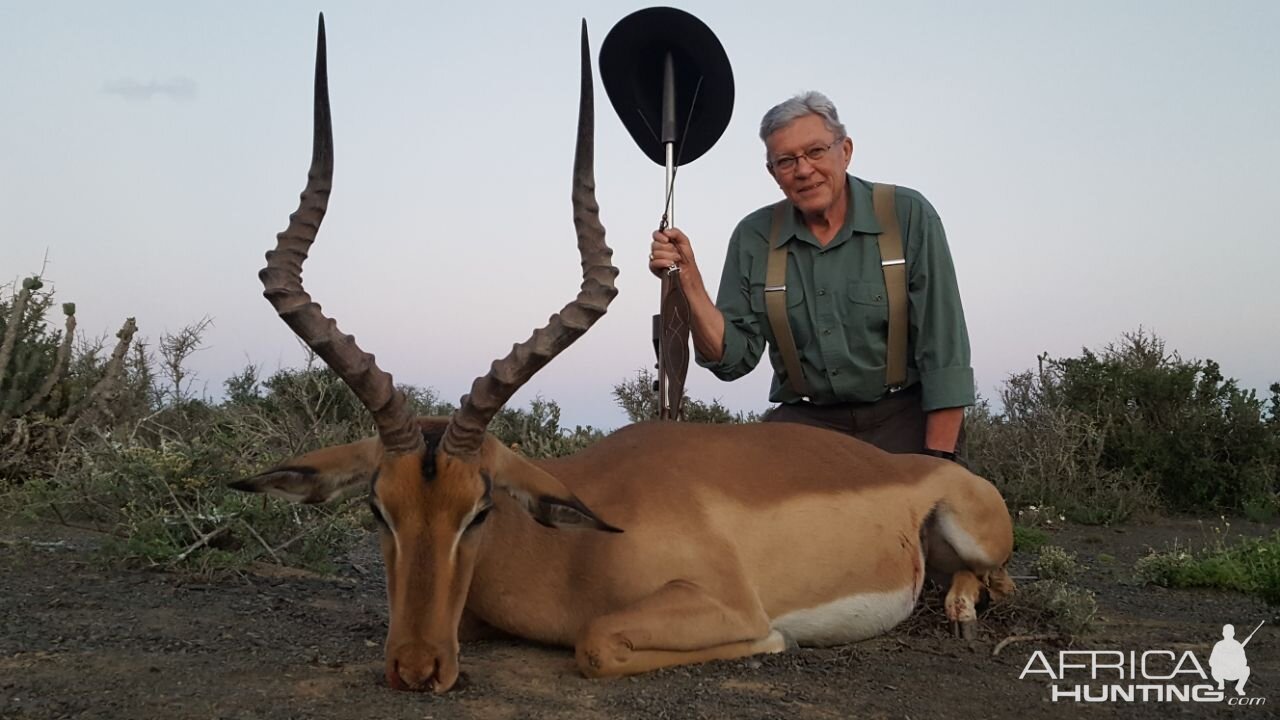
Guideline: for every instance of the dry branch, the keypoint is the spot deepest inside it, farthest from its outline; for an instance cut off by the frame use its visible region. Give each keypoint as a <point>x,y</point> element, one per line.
<point>59,363</point>
<point>109,386</point>
<point>204,540</point>
<point>29,286</point>
<point>1022,638</point>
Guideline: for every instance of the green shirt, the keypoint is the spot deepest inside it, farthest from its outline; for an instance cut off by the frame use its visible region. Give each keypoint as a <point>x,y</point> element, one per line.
<point>838,310</point>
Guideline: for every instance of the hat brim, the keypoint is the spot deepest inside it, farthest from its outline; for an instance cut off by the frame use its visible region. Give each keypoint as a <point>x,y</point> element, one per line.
<point>631,68</point>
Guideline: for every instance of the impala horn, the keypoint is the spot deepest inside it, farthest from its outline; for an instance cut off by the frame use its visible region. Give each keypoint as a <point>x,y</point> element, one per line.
<point>465,433</point>
<point>282,283</point>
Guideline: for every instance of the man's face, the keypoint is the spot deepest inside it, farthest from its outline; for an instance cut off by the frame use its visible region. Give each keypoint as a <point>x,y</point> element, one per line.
<point>811,185</point>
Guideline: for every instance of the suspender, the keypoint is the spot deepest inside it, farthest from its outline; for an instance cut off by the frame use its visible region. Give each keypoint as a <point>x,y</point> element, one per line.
<point>775,305</point>
<point>892,264</point>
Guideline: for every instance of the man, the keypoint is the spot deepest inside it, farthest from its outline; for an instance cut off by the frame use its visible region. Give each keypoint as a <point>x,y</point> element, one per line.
<point>1228,661</point>
<point>836,301</point>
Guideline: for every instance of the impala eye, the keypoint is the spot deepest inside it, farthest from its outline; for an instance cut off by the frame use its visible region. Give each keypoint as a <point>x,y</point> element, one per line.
<point>480,517</point>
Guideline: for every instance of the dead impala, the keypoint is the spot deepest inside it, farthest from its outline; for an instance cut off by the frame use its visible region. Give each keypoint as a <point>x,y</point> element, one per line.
<point>738,539</point>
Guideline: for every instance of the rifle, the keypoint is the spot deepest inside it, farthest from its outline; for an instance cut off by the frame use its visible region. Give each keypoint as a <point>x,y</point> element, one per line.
<point>1255,630</point>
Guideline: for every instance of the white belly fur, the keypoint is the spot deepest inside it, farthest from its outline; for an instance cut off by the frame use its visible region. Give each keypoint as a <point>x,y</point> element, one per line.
<point>848,619</point>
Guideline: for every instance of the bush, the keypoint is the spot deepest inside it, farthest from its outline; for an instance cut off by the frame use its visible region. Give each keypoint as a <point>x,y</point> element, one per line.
<point>1251,566</point>
<point>49,394</point>
<point>1054,563</point>
<point>1127,429</point>
<point>1055,605</point>
<point>537,432</point>
<point>636,397</point>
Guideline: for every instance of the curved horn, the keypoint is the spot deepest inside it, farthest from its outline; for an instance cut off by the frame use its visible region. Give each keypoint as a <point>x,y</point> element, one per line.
<point>282,283</point>
<point>488,393</point>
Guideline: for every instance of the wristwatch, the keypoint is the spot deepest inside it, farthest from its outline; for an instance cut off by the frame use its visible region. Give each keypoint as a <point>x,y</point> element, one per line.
<point>939,454</point>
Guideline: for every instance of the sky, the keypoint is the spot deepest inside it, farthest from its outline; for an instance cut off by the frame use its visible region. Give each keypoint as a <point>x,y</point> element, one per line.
<point>1099,167</point>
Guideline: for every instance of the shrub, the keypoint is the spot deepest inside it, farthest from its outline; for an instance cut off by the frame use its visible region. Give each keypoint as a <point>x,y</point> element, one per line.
<point>636,397</point>
<point>1251,565</point>
<point>1054,563</point>
<point>1056,605</point>
<point>1028,539</point>
<point>1128,429</point>
<point>50,394</point>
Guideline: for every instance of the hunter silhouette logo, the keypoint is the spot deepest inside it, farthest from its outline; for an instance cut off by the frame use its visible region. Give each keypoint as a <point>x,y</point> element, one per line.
<point>1116,676</point>
<point>1228,662</point>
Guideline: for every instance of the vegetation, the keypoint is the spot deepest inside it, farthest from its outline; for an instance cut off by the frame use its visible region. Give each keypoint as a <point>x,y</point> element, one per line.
<point>1054,563</point>
<point>1127,430</point>
<point>121,444</point>
<point>1028,539</point>
<point>110,434</point>
<point>1248,565</point>
<point>638,399</point>
<point>1054,605</point>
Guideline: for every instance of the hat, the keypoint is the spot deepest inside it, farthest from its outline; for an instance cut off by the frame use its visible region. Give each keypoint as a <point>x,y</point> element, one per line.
<point>631,67</point>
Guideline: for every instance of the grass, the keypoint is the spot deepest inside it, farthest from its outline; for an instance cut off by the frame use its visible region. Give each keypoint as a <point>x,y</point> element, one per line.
<point>1249,565</point>
<point>163,507</point>
<point>1028,539</point>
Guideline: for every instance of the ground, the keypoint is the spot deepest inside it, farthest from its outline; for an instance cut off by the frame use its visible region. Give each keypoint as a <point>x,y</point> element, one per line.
<point>82,639</point>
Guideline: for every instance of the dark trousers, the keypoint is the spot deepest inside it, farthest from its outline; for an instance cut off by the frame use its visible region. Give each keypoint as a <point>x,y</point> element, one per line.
<point>895,423</point>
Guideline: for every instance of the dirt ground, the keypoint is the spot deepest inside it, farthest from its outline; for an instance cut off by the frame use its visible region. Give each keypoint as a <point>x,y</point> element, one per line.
<point>79,639</point>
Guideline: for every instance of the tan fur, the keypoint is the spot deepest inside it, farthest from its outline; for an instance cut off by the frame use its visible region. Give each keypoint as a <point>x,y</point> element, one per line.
<point>725,529</point>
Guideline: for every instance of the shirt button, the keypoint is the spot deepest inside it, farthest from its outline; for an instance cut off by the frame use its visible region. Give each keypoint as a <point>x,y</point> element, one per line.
<point>827,331</point>
<point>822,291</point>
<point>835,373</point>
<point>877,298</point>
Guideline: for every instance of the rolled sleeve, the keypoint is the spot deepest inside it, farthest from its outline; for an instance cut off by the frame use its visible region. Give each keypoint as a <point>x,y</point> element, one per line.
<point>941,338</point>
<point>743,337</point>
<point>946,388</point>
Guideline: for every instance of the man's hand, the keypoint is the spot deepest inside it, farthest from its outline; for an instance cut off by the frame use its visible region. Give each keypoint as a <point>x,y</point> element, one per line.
<point>671,248</point>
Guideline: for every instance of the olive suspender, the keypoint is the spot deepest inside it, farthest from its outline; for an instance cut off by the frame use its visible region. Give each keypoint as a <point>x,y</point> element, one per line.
<point>892,264</point>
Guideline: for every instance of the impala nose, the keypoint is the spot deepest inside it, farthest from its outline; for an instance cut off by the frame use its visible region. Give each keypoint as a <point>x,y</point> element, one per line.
<point>421,666</point>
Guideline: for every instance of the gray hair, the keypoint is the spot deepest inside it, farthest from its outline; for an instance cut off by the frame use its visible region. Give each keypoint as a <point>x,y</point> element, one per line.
<point>792,109</point>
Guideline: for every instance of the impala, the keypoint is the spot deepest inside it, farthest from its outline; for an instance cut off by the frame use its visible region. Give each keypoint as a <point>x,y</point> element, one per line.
<point>662,544</point>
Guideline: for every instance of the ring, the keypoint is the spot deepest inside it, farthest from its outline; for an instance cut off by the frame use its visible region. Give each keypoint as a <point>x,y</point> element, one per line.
<point>650,257</point>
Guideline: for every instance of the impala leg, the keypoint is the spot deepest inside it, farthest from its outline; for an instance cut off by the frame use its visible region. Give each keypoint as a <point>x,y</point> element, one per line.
<point>999,585</point>
<point>473,629</point>
<point>679,624</point>
<point>962,602</point>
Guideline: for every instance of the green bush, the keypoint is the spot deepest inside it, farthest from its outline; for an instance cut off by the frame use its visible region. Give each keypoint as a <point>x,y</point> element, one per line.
<point>1251,565</point>
<point>1028,539</point>
<point>29,349</point>
<point>637,398</point>
<point>110,435</point>
<point>1128,429</point>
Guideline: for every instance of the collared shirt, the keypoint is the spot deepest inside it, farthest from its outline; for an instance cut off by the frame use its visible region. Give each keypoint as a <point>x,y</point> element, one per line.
<point>838,309</point>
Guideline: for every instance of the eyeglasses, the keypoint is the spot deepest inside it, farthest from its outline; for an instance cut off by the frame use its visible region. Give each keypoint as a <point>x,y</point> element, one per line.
<point>787,163</point>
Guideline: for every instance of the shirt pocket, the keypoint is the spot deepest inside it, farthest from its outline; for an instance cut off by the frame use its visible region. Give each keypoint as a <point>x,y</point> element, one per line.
<point>797,317</point>
<point>868,315</point>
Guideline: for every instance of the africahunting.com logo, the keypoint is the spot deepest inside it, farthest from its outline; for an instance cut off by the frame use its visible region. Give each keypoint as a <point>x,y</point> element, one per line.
<point>1116,676</point>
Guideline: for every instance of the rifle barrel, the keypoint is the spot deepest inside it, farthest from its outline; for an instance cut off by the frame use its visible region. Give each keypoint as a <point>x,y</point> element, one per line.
<point>1255,630</point>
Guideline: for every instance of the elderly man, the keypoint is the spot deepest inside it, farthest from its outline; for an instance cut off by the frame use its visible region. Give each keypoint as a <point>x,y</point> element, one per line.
<point>836,297</point>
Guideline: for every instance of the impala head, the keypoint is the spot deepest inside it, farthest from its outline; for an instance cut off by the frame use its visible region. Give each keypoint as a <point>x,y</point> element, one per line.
<point>430,481</point>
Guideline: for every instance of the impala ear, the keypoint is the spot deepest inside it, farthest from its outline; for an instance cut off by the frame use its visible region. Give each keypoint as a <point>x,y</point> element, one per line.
<point>544,497</point>
<point>319,476</point>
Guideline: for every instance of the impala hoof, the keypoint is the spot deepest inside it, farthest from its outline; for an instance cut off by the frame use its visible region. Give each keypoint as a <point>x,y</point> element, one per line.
<point>964,629</point>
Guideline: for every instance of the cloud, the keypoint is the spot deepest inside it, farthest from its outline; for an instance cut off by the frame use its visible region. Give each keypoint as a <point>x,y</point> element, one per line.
<point>177,88</point>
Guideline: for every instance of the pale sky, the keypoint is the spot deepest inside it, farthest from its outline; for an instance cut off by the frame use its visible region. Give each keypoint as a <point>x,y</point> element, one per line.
<point>1099,166</point>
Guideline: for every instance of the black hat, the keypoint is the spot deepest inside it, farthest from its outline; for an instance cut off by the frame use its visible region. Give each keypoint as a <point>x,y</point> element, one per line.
<point>631,66</point>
